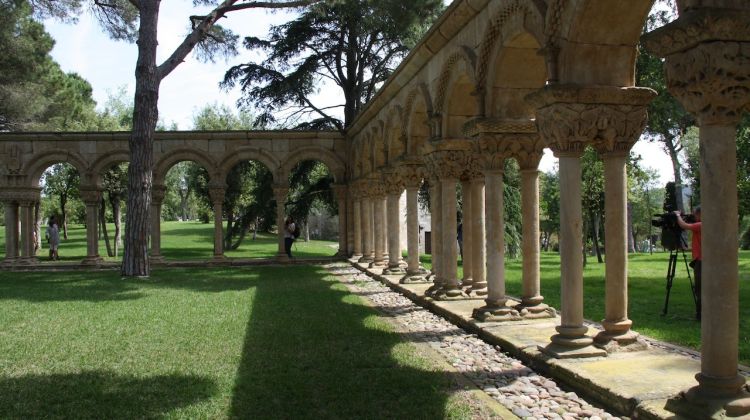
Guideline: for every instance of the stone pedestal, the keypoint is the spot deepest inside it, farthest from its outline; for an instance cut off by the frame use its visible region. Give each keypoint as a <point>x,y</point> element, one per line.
<point>92,199</point>
<point>157,198</point>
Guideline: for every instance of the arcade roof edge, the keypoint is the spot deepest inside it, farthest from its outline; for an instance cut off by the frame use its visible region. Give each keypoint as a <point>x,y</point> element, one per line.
<point>172,135</point>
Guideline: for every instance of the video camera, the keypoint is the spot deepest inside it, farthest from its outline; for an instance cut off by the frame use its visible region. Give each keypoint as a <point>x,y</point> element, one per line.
<point>673,237</point>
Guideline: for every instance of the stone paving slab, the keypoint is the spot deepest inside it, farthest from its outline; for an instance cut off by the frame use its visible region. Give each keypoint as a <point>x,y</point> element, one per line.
<point>636,384</point>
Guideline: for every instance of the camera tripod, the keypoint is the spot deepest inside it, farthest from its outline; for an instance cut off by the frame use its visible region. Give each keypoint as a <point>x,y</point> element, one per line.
<point>671,268</point>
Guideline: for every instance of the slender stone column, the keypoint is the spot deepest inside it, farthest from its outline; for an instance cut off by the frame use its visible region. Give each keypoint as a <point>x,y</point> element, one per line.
<point>532,305</point>
<point>436,221</point>
<point>367,252</point>
<point>340,193</point>
<point>384,231</point>
<point>373,214</point>
<point>350,225</point>
<point>379,208</point>
<point>357,213</point>
<point>26,211</point>
<point>394,235</point>
<point>91,197</point>
<point>449,252</point>
<point>11,232</point>
<point>467,235</point>
<point>157,198</point>
<point>496,308</point>
<point>709,75</point>
<point>478,250</point>
<point>415,273</point>
<point>280,194</point>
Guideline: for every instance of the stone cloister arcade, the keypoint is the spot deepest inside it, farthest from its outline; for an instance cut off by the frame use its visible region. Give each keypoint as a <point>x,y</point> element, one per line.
<point>493,80</point>
<point>28,155</point>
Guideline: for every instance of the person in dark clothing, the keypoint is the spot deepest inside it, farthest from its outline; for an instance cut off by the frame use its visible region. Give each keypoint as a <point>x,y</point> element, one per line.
<point>695,246</point>
<point>289,228</point>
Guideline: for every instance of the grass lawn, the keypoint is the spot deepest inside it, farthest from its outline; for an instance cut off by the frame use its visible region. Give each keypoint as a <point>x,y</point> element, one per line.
<point>260,342</point>
<point>647,289</point>
<point>186,241</point>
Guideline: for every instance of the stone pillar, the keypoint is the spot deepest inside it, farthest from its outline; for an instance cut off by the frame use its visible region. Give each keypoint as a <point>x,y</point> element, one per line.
<point>26,213</point>
<point>394,234</point>
<point>91,197</point>
<point>532,305</point>
<point>467,235</point>
<point>708,73</point>
<point>280,194</point>
<point>478,256</point>
<point>217,199</point>
<point>379,230</point>
<point>350,224</point>
<point>384,232</point>
<point>436,218</point>
<point>157,198</point>
<point>11,232</point>
<point>414,272</point>
<point>357,225</point>
<point>340,193</point>
<point>367,242</point>
<point>449,252</point>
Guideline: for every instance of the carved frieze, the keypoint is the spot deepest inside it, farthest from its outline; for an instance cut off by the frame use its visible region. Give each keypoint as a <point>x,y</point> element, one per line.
<point>392,182</point>
<point>20,195</point>
<point>448,164</point>
<point>479,126</point>
<point>412,173</point>
<point>93,196</point>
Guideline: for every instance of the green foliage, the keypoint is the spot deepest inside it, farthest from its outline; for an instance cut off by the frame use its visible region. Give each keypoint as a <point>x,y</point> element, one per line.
<point>743,167</point>
<point>549,203</point>
<point>512,208</point>
<point>354,44</point>
<point>310,190</point>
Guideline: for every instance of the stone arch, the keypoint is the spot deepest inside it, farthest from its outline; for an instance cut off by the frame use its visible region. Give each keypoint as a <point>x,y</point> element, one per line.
<point>105,162</point>
<point>335,165</point>
<point>379,152</point>
<point>163,166</point>
<point>417,118</point>
<point>461,61</point>
<point>39,163</point>
<point>458,99</point>
<point>510,66</point>
<point>248,153</point>
<point>597,40</point>
<point>394,134</point>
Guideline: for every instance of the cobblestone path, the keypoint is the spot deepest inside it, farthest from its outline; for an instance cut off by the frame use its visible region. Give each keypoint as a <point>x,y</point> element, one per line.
<point>527,394</point>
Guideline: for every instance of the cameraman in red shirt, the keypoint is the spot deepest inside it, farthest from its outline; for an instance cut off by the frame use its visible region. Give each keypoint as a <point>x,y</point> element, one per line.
<point>695,245</point>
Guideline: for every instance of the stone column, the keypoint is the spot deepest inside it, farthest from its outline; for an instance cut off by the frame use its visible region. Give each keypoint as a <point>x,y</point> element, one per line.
<point>26,212</point>
<point>532,305</point>
<point>217,199</point>
<point>467,235</point>
<point>157,198</point>
<point>412,175</point>
<point>479,262</point>
<point>709,75</point>
<point>394,234</point>
<point>357,224</point>
<point>11,232</point>
<point>92,199</point>
<point>384,231</point>
<point>436,227</point>
<point>379,230</point>
<point>350,225</point>
<point>449,252</point>
<point>367,243</point>
<point>280,194</point>
<point>340,192</point>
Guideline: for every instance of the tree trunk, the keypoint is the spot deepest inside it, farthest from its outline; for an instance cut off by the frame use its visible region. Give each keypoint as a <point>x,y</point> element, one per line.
<point>184,203</point>
<point>141,143</point>
<point>114,200</point>
<point>255,229</point>
<point>307,232</point>
<point>631,236</point>
<point>230,230</point>
<point>671,146</point>
<point>63,202</point>
<point>595,236</point>
<point>103,223</point>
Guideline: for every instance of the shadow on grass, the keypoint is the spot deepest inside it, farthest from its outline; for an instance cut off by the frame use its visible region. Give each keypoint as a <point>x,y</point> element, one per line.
<point>67,286</point>
<point>100,394</point>
<point>307,355</point>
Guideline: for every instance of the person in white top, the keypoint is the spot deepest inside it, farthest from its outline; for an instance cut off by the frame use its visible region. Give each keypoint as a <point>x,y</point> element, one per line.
<point>53,238</point>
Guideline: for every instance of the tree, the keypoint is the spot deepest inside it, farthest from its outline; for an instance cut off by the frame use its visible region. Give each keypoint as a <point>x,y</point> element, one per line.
<point>592,192</point>
<point>354,44</point>
<point>62,180</point>
<point>136,21</point>
<point>668,122</point>
<point>310,190</point>
<point>549,198</point>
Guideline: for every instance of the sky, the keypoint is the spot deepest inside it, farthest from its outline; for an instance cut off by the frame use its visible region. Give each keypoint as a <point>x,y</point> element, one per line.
<point>109,66</point>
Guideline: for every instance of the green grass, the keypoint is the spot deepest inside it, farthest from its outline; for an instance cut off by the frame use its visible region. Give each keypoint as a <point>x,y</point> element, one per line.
<point>262,342</point>
<point>186,241</point>
<point>646,292</point>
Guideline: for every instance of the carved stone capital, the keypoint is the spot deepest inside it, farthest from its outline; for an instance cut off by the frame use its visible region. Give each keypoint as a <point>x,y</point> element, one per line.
<point>611,119</point>
<point>412,173</point>
<point>217,195</point>
<point>375,188</point>
<point>91,196</point>
<point>20,195</point>
<point>447,158</point>
<point>392,181</point>
<point>493,149</point>
<point>157,194</point>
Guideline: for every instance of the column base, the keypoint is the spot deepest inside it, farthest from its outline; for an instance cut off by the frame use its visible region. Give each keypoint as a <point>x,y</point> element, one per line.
<point>283,258</point>
<point>341,254</point>
<point>394,271</point>
<point>571,343</point>
<point>495,313</point>
<point>449,293</point>
<point>378,263</point>
<point>433,289</point>
<point>478,289</point>
<point>8,262</point>
<point>538,311</point>
<point>694,404</point>
<point>364,260</point>
<point>92,261</point>
<point>466,284</point>
<point>620,342</point>
<point>414,279</point>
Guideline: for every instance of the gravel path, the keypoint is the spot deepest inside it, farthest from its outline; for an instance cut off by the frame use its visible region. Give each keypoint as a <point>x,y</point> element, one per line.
<point>526,393</point>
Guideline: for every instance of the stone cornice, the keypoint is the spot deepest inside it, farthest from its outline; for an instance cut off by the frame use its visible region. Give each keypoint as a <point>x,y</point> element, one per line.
<point>595,95</point>
<point>173,135</point>
<point>480,126</point>
<point>698,26</point>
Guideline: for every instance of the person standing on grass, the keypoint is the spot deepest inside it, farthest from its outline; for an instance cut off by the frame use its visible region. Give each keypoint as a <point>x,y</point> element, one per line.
<point>695,246</point>
<point>289,235</point>
<point>53,238</point>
